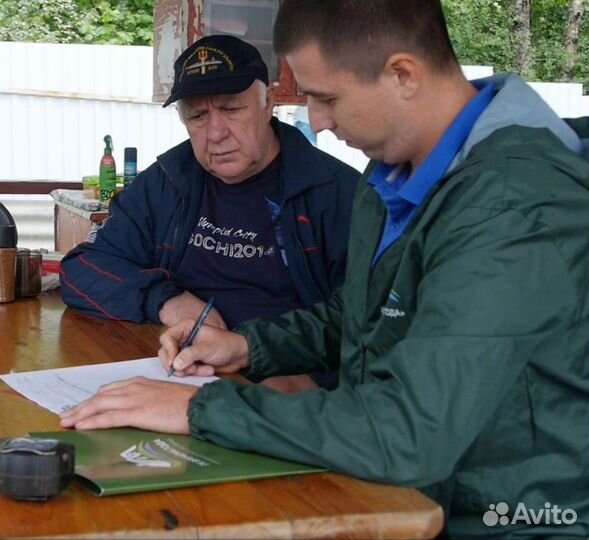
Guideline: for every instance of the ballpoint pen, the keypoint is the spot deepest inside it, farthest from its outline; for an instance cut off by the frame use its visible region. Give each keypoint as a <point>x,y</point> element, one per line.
<point>196,327</point>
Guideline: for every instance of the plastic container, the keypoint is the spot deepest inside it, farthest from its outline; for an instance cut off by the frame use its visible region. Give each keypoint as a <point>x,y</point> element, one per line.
<point>90,187</point>
<point>130,166</point>
<point>51,262</point>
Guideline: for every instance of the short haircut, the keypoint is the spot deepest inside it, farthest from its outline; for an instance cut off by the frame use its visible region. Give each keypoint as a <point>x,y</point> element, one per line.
<point>360,35</point>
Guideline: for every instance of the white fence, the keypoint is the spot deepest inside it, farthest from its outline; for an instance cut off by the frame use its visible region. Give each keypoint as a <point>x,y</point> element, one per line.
<point>61,138</point>
<point>58,101</point>
<point>566,99</point>
<point>100,70</point>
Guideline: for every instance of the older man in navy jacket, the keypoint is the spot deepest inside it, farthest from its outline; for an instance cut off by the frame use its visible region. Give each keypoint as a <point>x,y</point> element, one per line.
<point>246,210</point>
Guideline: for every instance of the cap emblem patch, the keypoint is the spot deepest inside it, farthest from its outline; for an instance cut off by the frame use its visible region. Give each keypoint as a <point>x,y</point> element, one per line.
<point>209,61</point>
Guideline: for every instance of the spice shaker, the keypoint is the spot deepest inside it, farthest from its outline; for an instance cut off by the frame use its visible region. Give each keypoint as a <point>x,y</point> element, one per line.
<point>28,272</point>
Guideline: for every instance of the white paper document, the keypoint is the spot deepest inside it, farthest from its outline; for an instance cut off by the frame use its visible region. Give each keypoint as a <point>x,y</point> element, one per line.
<point>61,389</point>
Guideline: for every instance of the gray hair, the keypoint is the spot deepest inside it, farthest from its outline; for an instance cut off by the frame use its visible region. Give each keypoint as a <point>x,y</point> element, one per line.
<point>262,92</point>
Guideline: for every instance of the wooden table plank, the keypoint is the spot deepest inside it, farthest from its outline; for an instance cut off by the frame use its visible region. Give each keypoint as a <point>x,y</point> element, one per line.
<point>38,333</point>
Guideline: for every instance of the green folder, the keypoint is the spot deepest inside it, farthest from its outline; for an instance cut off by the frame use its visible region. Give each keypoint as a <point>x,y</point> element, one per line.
<point>115,461</point>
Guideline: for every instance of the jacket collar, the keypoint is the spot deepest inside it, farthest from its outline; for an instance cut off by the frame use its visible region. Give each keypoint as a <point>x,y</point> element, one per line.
<point>516,103</point>
<point>302,165</point>
<point>181,167</point>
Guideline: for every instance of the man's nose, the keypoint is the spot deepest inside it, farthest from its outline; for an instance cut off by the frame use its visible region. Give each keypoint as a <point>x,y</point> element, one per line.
<point>318,117</point>
<point>217,127</point>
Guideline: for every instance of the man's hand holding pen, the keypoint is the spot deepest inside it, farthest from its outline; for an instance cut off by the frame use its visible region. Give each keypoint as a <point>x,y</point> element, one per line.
<point>198,324</point>
<point>213,350</point>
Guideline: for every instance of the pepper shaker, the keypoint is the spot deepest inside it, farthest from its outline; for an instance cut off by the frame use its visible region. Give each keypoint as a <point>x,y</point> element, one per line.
<point>28,272</point>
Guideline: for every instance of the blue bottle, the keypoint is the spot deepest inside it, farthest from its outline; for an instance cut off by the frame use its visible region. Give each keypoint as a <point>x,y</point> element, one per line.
<point>130,165</point>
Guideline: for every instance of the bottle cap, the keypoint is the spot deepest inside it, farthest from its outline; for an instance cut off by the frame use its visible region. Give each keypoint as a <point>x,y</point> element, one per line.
<point>5,216</point>
<point>130,153</point>
<point>108,148</point>
<point>8,236</point>
<point>8,233</point>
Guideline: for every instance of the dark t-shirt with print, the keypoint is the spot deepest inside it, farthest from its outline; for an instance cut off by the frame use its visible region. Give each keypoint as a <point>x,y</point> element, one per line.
<point>234,252</point>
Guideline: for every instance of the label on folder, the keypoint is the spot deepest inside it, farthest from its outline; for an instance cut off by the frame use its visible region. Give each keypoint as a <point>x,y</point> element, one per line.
<point>115,461</point>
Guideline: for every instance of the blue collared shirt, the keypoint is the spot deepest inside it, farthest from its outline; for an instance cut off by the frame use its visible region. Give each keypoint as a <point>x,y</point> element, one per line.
<point>402,194</point>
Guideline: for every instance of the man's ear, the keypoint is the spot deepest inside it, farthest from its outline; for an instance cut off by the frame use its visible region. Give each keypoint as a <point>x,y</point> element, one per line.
<point>270,96</point>
<point>404,72</point>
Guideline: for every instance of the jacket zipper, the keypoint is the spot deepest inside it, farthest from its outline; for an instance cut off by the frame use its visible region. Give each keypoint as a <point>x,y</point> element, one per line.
<point>178,212</point>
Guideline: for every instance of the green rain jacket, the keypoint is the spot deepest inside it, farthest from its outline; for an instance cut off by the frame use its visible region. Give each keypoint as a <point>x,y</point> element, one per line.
<point>463,354</point>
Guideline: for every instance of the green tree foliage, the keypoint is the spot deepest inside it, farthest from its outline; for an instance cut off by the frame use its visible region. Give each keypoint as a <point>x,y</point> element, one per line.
<point>549,18</point>
<point>481,31</point>
<point>118,22</point>
<point>37,20</point>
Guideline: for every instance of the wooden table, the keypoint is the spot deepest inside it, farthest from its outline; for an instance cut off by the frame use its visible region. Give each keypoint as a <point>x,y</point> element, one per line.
<point>39,333</point>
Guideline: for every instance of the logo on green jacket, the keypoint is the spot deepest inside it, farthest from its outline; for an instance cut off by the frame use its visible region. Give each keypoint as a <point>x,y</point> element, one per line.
<point>392,312</point>
<point>394,297</point>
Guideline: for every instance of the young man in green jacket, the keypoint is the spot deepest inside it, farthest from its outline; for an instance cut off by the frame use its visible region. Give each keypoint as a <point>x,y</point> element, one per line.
<point>461,330</point>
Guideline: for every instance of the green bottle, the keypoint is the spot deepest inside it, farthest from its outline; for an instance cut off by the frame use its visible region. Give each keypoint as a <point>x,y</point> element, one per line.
<point>107,181</point>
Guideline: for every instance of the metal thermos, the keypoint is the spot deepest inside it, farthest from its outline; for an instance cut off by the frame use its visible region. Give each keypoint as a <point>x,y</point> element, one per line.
<point>8,239</point>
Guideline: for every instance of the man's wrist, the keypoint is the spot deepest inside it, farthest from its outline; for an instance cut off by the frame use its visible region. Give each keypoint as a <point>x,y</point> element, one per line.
<point>243,356</point>
<point>165,313</point>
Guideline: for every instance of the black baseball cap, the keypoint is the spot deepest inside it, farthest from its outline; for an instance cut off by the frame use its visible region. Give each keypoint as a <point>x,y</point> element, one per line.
<point>217,64</point>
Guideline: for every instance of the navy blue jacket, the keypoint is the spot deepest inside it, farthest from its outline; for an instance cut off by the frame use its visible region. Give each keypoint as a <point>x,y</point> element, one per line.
<point>127,272</point>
